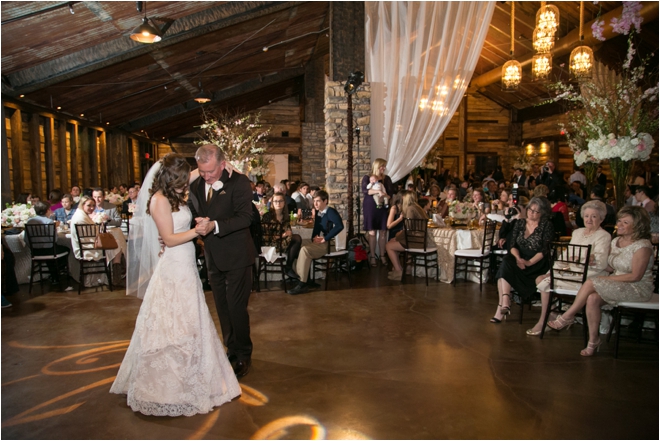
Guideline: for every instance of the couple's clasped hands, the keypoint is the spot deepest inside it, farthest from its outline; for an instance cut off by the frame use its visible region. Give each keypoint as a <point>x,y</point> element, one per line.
<point>204,226</point>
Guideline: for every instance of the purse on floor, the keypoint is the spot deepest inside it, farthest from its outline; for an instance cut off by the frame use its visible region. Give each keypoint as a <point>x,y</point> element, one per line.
<point>105,240</point>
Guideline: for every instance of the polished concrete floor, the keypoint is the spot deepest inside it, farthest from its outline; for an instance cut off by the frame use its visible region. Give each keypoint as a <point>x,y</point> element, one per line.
<point>380,360</point>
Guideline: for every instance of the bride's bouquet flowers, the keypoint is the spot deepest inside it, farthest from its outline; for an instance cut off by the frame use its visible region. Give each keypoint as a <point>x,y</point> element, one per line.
<point>100,217</point>
<point>17,215</point>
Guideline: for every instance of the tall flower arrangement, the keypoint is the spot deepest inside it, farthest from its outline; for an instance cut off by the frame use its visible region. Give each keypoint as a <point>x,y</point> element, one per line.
<point>612,116</point>
<point>241,137</point>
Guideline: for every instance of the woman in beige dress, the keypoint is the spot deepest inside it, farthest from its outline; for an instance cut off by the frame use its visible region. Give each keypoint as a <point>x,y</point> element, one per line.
<point>593,213</point>
<point>631,280</point>
<point>86,207</point>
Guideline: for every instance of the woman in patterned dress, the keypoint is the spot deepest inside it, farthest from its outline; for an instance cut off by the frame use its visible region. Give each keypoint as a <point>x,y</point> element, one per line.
<point>630,280</point>
<point>279,214</point>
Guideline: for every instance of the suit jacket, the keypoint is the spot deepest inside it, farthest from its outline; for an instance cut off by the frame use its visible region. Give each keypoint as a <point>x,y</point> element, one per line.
<point>231,207</point>
<point>601,178</point>
<point>521,180</point>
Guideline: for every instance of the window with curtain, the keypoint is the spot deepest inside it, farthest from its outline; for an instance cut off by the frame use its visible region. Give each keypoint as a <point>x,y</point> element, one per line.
<point>420,57</point>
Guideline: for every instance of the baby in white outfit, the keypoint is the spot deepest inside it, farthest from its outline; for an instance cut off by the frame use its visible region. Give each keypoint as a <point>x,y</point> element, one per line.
<point>375,185</point>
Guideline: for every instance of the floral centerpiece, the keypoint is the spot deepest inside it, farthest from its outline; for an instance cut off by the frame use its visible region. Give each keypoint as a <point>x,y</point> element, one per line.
<point>523,162</point>
<point>612,116</point>
<point>115,198</point>
<point>240,137</point>
<point>17,215</point>
<point>461,210</point>
<point>261,206</point>
<point>259,167</point>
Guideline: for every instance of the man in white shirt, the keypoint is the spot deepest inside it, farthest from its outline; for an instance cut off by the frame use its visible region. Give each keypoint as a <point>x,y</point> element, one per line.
<point>578,176</point>
<point>103,206</point>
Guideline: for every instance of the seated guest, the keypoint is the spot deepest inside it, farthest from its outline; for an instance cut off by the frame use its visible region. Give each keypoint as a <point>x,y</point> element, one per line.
<point>24,198</point>
<point>593,213</point>
<point>82,215</point>
<point>598,193</point>
<point>410,210</point>
<point>327,224</point>
<point>76,192</point>
<point>557,198</point>
<point>44,246</point>
<point>576,196</point>
<point>55,199</point>
<point>259,192</point>
<point>443,206</point>
<point>102,206</point>
<point>302,197</point>
<point>492,187</point>
<point>290,203</point>
<point>395,217</point>
<point>480,204</point>
<point>643,197</point>
<point>290,242</point>
<point>65,213</point>
<point>501,204</point>
<point>541,190</point>
<point>630,265</point>
<point>433,194</point>
<point>132,199</point>
<point>528,257</point>
<point>123,189</point>
<point>425,203</point>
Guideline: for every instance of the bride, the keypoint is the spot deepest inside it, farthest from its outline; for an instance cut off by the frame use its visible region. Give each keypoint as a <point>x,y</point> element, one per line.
<point>175,364</point>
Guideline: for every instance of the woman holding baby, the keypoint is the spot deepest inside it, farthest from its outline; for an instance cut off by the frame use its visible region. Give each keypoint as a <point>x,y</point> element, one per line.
<point>377,190</point>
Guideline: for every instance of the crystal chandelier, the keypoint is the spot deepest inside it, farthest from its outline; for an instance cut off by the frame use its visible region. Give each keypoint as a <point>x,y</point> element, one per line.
<point>547,19</point>
<point>512,70</point>
<point>541,66</point>
<point>542,41</point>
<point>582,57</point>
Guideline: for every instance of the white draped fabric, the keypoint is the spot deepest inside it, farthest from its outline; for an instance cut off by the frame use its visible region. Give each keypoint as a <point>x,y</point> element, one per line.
<point>420,57</point>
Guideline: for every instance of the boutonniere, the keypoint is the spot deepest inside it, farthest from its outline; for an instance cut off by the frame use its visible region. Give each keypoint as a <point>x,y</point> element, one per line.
<point>217,185</point>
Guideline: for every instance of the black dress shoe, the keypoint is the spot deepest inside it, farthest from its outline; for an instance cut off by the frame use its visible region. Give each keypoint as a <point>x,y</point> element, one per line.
<point>300,288</point>
<point>291,273</point>
<point>242,368</point>
<point>312,284</point>
<point>232,360</point>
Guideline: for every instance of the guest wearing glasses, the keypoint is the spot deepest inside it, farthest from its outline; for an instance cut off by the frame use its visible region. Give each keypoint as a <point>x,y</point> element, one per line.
<point>528,256</point>
<point>291,242</point>
<point>630,265</point>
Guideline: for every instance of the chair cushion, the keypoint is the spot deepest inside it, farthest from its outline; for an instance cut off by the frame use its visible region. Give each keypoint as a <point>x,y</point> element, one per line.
<point>566,292</point>
<point>279,256</point>
<point>421,250</point>
<point>651,304</point>
<point>500,252</point>
<point>471,253</point>
<point>336,254</point>
<point>66,253</point>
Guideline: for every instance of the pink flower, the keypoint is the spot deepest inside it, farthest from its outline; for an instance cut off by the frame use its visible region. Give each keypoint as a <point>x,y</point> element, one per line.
<point>597,29</point>
<point>612,142</point>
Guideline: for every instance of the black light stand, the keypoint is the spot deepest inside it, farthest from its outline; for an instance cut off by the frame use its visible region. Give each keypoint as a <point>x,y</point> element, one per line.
<point>354,80</point>
<point>358,205</point>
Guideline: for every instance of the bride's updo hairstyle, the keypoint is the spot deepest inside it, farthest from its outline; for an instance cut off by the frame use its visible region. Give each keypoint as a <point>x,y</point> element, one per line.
<point>173,175</point>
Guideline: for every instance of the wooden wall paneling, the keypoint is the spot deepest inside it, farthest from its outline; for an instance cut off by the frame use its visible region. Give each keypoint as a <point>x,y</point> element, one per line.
<point>83,140</point>
<point>4,162</point>
<point>16,153</point>
<point>463,133</point>
<point>103,159</point>
<point>132,160</point>
<point>73,152</point>
<point>94,156</point>
<point>35,155</point>
<point>62,151</point>
<point>49,152</point>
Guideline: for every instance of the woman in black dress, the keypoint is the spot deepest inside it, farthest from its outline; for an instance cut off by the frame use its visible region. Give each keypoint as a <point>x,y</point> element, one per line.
<point>375,219</point>
<point>528,258</point>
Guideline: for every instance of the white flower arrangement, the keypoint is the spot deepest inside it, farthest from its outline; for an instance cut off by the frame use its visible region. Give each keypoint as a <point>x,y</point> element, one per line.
<point>17,215</point>
<point>100,217</point>
<point>114,198</point>
<point>626,148</point>
<point>131,207</point>
<point>261,206</point>
<point>461,210</point>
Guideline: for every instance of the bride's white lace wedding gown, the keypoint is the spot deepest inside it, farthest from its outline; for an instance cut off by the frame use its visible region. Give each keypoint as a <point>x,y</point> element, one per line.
<point>175,363</point>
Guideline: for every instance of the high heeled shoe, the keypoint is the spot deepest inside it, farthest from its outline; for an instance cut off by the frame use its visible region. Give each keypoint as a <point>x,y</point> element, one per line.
<point>496,320</point>
<point>532,333</point>
<point>505,310</point>
<point>560,323</point>
<point>591,349</point>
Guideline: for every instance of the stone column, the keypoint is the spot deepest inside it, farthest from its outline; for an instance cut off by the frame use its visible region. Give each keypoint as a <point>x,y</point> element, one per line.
<point>336,144</point>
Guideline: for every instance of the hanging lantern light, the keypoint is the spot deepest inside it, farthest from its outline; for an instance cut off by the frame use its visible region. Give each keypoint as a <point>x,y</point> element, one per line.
<point>582,57</point>
<point>542,41</point>
<point>512,70</point>
<point>541,66</point>
<point>547,19</point>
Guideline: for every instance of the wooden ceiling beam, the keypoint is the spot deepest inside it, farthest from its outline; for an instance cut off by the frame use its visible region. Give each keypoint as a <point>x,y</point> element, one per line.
<point>649,13</point>
<point>243,88</point>
<point>121,49</point>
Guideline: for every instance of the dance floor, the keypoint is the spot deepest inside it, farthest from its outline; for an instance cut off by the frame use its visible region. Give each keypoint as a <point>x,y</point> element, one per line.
<point>380,360</point>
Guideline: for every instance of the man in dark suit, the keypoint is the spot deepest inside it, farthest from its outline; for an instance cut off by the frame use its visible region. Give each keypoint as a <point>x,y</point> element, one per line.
<point>327,221</point>
<point>520,178</point>
<point>222,206</point>
<point>132,199</point>
<point>601,178</point>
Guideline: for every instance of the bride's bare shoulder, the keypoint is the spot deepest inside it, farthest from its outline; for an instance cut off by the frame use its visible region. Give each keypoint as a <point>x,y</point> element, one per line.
<point>159,201</point>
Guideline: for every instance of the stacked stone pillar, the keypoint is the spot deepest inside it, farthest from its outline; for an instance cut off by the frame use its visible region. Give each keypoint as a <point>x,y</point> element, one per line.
<point>336,146</point>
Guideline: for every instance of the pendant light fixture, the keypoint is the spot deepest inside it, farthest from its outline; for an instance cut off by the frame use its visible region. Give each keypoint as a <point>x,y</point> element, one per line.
<point>541,67</point>
<point>547,19</point>
<point>202,97</point>
<point>582,57</point>
<point>542,41</point>
<point>150,33</point>
<point>512,70</point>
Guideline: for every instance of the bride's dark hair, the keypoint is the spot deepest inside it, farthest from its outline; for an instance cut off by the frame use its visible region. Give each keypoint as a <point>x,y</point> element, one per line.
<point>174,174</point>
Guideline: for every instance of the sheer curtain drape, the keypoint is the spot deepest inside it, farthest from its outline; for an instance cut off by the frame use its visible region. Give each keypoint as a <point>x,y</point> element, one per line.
<point>420,57</point>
